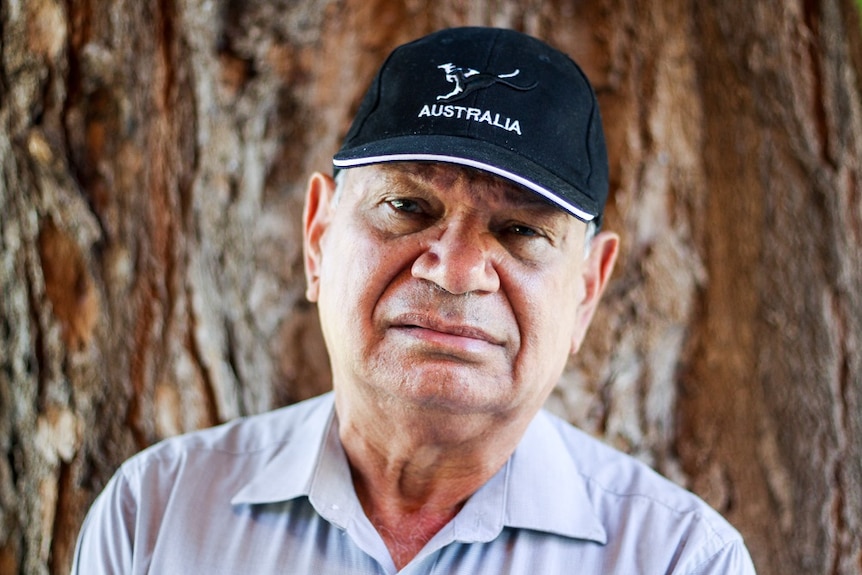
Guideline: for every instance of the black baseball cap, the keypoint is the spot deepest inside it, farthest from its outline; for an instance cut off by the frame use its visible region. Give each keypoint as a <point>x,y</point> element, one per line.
<point>493,99</point>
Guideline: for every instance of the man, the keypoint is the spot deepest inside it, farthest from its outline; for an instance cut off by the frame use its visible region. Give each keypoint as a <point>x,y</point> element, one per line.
<point>456,263</point>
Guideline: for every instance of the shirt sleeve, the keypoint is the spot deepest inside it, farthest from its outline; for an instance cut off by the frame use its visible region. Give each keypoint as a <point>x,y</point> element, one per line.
<point>105,542</point>
<point>732,559</point>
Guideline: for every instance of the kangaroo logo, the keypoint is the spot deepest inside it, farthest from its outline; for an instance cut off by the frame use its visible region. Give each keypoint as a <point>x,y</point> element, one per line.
<point>468,80</point>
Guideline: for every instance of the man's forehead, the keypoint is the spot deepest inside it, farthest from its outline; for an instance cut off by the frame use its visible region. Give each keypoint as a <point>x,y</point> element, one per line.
<point>440,175</point>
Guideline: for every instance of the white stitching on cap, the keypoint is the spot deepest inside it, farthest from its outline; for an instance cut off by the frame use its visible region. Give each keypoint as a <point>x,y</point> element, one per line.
<point>473,164</point>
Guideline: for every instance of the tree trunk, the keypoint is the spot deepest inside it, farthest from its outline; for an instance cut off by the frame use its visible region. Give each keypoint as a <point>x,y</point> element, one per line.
<point>153,157</point>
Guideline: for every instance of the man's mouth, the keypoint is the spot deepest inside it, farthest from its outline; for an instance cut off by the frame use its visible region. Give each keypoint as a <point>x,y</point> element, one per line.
<point>434,329</point>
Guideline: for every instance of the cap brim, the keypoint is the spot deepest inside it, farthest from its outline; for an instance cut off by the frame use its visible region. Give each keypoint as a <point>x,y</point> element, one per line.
<point>477,154</point>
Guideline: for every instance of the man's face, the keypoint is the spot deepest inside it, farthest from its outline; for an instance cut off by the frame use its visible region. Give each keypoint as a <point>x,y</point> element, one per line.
<point>448,289</point>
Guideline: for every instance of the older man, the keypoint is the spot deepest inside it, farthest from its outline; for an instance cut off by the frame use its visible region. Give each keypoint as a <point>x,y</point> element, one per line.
<point>456,263</point>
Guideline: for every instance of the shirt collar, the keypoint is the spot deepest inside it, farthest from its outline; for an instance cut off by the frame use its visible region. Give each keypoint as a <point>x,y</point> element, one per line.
<point>538,488</point>
<point>545,490</point>
<point>290,472</point>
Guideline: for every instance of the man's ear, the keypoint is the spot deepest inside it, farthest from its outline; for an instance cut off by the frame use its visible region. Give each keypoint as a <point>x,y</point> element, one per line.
<point>316,217</point>
<point>597,270</point>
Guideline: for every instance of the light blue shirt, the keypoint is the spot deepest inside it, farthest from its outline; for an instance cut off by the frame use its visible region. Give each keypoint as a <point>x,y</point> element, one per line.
<point>273,494</point>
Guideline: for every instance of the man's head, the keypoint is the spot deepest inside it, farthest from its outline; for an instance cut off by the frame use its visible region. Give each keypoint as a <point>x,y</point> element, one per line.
<point>450,275</point>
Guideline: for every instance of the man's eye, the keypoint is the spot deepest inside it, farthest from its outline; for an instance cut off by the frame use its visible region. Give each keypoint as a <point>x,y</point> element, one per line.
<point>522,230</point>
<point>410,206</point>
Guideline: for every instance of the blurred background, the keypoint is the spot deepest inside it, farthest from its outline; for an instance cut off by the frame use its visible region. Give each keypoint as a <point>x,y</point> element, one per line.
<point>153,159</point>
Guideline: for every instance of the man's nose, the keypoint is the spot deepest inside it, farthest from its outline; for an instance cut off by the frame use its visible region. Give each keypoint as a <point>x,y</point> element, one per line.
<point>459,261</point>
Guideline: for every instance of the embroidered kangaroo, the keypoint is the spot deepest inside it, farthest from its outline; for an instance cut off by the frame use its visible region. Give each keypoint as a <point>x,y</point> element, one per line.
<point>470,80</point>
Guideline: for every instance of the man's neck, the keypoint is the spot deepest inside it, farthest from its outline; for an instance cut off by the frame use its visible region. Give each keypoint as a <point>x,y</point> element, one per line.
<point>411,479</point>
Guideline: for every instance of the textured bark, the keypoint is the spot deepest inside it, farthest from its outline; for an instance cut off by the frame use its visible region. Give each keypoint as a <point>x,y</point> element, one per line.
<point>152,161</point>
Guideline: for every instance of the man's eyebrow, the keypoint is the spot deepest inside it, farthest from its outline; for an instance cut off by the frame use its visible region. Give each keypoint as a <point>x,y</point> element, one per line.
<point>405,181</point>
<point>424,176</point>
<point>523,197</point>
<point>418,173</point>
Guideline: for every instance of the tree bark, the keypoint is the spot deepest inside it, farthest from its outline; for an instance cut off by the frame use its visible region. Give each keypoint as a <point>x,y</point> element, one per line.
<point>153,157</point>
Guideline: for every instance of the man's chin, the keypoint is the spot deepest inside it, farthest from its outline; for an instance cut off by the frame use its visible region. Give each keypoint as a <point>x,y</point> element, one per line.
<point>454,394</point>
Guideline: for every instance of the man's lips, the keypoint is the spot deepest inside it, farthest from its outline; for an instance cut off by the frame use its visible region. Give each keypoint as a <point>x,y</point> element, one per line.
<point>445,329</point>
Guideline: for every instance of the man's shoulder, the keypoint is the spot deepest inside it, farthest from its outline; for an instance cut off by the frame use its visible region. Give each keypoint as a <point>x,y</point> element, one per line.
<point>620,485</point>
<point>614,471</point>
<point>244,436</point>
